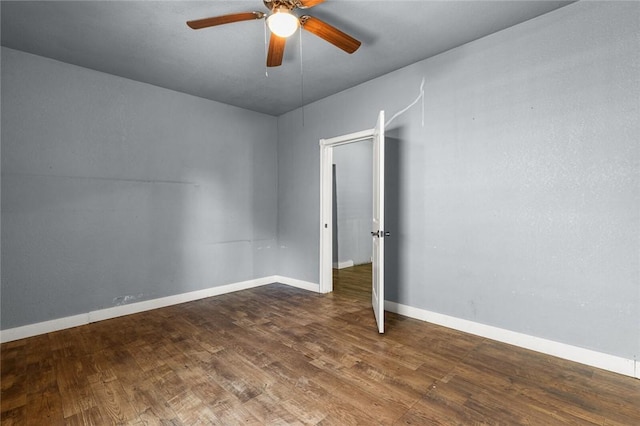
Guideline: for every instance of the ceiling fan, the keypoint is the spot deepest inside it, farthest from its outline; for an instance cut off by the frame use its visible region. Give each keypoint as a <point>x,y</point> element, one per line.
<point>282,24</point>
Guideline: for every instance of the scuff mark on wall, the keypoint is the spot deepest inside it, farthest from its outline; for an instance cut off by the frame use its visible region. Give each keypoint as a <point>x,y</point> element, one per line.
<point>125,300</point>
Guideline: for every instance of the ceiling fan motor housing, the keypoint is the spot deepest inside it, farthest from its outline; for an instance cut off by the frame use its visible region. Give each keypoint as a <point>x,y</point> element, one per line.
<point>273,5</point>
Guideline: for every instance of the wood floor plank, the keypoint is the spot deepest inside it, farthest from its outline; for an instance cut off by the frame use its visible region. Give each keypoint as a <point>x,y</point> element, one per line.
<point>44,407</point>
<point>191,410</point>
<point>280,355</point>
<point>73,385</point>
<point>114,403</point>
<point>91,416</point>
<point>148,399</point>
<point>238,377</point>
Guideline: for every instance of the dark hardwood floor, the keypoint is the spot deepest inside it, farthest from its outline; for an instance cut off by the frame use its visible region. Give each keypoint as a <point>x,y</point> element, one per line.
<point>280,355</point>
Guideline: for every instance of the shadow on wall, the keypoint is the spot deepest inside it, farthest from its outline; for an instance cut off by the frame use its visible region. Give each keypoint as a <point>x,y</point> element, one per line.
<point>393,220</point>
<point>334,213</point>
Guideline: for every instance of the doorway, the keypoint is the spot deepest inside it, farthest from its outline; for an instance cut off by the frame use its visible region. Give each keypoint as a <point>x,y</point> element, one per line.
<point>352,204</point>
<point>352,217</point>
<point>378,234</point>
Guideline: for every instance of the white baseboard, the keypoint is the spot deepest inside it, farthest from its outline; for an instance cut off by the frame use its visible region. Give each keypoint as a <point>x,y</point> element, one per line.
<point>44,327</point>
<point>608,362</point>
<point>147,305</point>
<point>613,363</point>
<point>305,285</point>
<point>31,330</point>
<point>342,265</point>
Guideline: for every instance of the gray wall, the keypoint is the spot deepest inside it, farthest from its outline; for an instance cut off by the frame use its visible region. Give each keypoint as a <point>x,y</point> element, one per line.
<point>353,202</point>
<point>115,191</point>
<point>516,204</point>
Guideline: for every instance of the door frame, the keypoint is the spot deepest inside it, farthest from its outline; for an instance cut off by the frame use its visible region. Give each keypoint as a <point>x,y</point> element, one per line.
<point>326,202</point>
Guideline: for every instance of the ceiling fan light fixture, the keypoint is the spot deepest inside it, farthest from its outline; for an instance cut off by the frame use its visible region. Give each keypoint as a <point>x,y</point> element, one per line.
<point>282,23</point>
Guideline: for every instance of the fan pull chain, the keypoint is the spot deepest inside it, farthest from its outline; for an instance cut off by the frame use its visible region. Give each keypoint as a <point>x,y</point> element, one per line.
<point>266,51</point>
<point>422,94</point>
<point>301,78</point>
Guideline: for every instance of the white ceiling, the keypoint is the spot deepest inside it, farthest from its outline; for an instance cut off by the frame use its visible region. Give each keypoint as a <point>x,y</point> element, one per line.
<point>149,41</point>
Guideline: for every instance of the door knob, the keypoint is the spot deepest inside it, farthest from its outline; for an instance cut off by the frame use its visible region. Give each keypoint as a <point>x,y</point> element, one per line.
<point>380,234</point>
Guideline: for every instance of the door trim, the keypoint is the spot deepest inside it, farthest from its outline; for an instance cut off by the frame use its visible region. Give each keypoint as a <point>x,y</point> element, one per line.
<point>326,200</point>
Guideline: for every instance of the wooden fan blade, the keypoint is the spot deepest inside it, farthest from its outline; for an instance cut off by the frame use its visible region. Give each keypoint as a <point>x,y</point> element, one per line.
<point>224,19</point>
<point>276,50</point>
<point>329,33</point>
<point>305,4</point>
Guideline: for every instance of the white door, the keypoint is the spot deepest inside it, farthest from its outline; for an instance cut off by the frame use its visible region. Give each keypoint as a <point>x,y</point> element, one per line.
<point>377,230</point>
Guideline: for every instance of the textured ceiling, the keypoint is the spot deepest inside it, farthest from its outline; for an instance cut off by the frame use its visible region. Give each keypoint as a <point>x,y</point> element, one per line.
<point>149,41</point>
